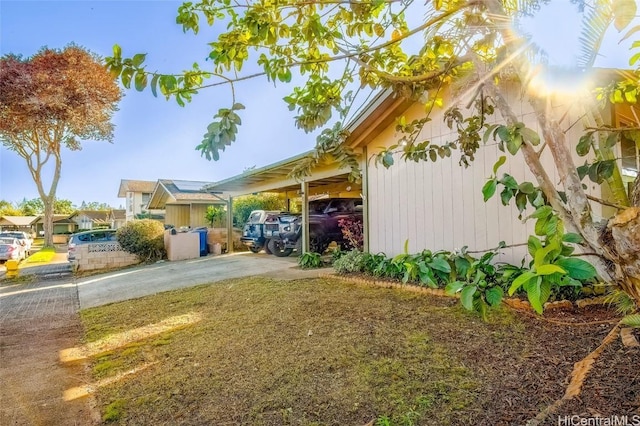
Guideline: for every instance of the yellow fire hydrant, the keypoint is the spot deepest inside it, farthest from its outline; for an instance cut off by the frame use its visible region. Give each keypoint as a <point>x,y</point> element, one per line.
<point>12,268</point>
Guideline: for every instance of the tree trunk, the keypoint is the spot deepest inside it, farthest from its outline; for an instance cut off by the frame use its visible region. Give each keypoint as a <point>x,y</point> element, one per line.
<point>48,220</point>
<point>625,232</point>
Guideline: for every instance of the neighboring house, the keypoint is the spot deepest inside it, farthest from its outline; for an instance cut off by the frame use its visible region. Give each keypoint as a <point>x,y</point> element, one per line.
<point>17,223</point>
<point>185,202</point>
<point>61,225</point>
<point>92,219</point>
<point>137,194</point>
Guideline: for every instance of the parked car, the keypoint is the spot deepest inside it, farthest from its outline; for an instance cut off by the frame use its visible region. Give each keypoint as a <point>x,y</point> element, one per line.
<point>324,217</point>
<point>86,237</point>
<point>11,248</point>
<point>23,238</point>
<point>260,227</point>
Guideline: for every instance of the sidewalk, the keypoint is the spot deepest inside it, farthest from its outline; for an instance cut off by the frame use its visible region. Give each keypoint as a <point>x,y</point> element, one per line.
<point>58,267</point>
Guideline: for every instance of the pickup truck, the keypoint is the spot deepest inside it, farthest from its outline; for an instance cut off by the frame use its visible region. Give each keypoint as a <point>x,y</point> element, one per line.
<point>324,228</point>
<point>260,227</point>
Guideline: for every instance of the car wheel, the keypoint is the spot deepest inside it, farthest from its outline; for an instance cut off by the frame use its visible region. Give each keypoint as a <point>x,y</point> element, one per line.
<point>317,244</point>
<point>255,249</point>
<point>266,247</point>
<point>299,246</point>
<point>277,247</point>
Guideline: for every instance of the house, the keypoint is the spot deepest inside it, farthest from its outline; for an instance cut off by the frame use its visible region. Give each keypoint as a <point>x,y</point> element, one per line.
<point>17,223</point>
<point>431,205</point>
<point>62,225</point>
<point>185,202</point>
<point>92,219</point>
<point>137,194</point>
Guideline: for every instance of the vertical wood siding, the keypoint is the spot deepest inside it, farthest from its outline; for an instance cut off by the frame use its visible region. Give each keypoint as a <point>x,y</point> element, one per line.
<point>440,206</point>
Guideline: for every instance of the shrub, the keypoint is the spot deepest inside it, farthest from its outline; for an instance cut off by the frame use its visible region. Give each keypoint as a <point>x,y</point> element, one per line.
<point>243,206</point>
<point>352,261</point>
<point>144,238</point>
<point>352,232</point>
<point>310,260</point>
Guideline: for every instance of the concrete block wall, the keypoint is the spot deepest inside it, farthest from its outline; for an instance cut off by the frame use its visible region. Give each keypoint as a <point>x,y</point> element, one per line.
<point>96,256</point>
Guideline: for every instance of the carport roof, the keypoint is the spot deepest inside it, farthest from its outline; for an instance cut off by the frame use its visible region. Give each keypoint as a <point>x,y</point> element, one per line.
<point>275,178</point>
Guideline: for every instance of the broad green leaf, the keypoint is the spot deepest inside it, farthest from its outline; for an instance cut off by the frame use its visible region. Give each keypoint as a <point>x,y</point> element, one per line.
<point>466,297</point>
<point>138,59</point>
<point>584,145</point>
<point>440,265</point>
<point>572,238</point>
<point>530,136</point>
<point>154,85</point>
<point>549,269</point>
<point>489,189</point>
<point>453,287</point>
<point>612,140</point>
<point>577,268</point>
<point>534,293</point>
<point>533,245</point>
<point>513,144</point>
<point>526,187</point>
<point>522,279</point>
<point>117,51</point>
<point>509,181</point>
<point>542,212</point>
<point>140,81</point>
<point>494,296</point>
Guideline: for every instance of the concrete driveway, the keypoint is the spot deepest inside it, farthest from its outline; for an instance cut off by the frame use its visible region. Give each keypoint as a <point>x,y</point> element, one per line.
<point>150,279</point>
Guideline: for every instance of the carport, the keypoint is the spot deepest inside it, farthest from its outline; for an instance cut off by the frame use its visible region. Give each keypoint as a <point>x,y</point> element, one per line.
<point>325,180</point>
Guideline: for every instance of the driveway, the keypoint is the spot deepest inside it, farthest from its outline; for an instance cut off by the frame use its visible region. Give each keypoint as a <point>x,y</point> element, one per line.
<point>40,318</point>
<point>145,280</point>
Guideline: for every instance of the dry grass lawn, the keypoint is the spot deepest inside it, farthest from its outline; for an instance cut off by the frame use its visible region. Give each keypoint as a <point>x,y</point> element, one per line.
<point>258,351</point>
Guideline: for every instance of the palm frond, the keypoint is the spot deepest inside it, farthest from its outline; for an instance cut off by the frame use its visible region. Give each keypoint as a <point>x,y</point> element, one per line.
<point>595,23</point>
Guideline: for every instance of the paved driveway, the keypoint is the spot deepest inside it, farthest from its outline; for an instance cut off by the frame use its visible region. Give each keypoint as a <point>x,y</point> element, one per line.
<point>145,280</point>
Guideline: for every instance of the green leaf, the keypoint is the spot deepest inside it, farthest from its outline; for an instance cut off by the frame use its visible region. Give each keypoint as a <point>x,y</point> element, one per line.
<point>499,163</point>
<point>154,85</point>
<point>530,136</point>
<point>572,238</point>
<point>542,212</point>
<point>440,264</point>
<point>138,59</point>
<point>466,297</point>
<point>513,144</point>
<point>117,51</point>
<point>527,187</point>
<point>489,189</point>
<point>584,145</point>
<point>140,81</point>
<point>509,181</point>
<point>582,171</point>
<point>549,269</point>
<point>612,140</point>
<point>494,295</point>
<point>534,293</point>
<point>522,279</point>
<point>126,77</point>
<point>453,287</point>
<point>631,320</point>
<point>577,268</point>
<point>533,245</point>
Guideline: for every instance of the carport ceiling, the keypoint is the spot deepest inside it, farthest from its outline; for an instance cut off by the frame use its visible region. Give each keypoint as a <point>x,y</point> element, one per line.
<point>275,178</point>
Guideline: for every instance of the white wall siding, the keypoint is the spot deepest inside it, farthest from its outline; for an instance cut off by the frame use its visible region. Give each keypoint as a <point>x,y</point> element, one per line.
<point>440,205</point>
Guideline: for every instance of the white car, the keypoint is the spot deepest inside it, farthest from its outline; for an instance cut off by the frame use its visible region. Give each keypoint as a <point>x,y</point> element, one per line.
<point>11,248</point>
<point>23,238</point>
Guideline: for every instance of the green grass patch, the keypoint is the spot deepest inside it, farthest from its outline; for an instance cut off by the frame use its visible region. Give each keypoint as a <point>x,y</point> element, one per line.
<point>42,256</point>
<point>317,351</point>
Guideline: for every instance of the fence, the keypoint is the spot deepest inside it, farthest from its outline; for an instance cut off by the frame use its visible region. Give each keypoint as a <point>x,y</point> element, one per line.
<point>108,255</point>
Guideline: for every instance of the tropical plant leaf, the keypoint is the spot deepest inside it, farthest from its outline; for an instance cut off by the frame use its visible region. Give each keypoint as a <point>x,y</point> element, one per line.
<point>631,320</point>
<point>577,268</point>
<point>466,297</point>
<point>494,296</point>
<point>549,269</point>
<point>453,287</point>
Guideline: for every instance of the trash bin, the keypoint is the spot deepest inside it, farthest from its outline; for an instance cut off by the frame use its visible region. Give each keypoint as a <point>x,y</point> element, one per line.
<point>203,240</point>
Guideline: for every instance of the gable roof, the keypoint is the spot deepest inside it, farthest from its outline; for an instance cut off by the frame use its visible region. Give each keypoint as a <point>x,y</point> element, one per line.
<point>169,191</point>
<point>16,220</point>
<point>127,185</point>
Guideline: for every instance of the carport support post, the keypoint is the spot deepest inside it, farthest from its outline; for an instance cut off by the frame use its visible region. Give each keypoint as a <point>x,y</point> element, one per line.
<point>304,190</point>
<point>230,225</point>
<point>365,199</point>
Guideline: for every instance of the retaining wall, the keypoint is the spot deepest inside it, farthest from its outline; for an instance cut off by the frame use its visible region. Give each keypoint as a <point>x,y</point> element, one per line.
<point>109,255</point>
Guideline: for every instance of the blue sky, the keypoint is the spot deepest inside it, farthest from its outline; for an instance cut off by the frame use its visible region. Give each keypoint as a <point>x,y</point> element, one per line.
<point>155,138</point>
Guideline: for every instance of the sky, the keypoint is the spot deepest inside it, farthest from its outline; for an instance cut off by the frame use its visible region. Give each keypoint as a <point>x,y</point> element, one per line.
<point>155,138</point>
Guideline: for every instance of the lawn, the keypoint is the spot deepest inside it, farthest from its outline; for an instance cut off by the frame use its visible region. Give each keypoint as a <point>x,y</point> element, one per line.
<point>322,352</point>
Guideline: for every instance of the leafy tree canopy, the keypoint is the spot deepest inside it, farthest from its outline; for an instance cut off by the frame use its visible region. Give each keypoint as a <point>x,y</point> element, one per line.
<point>52,100</point>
